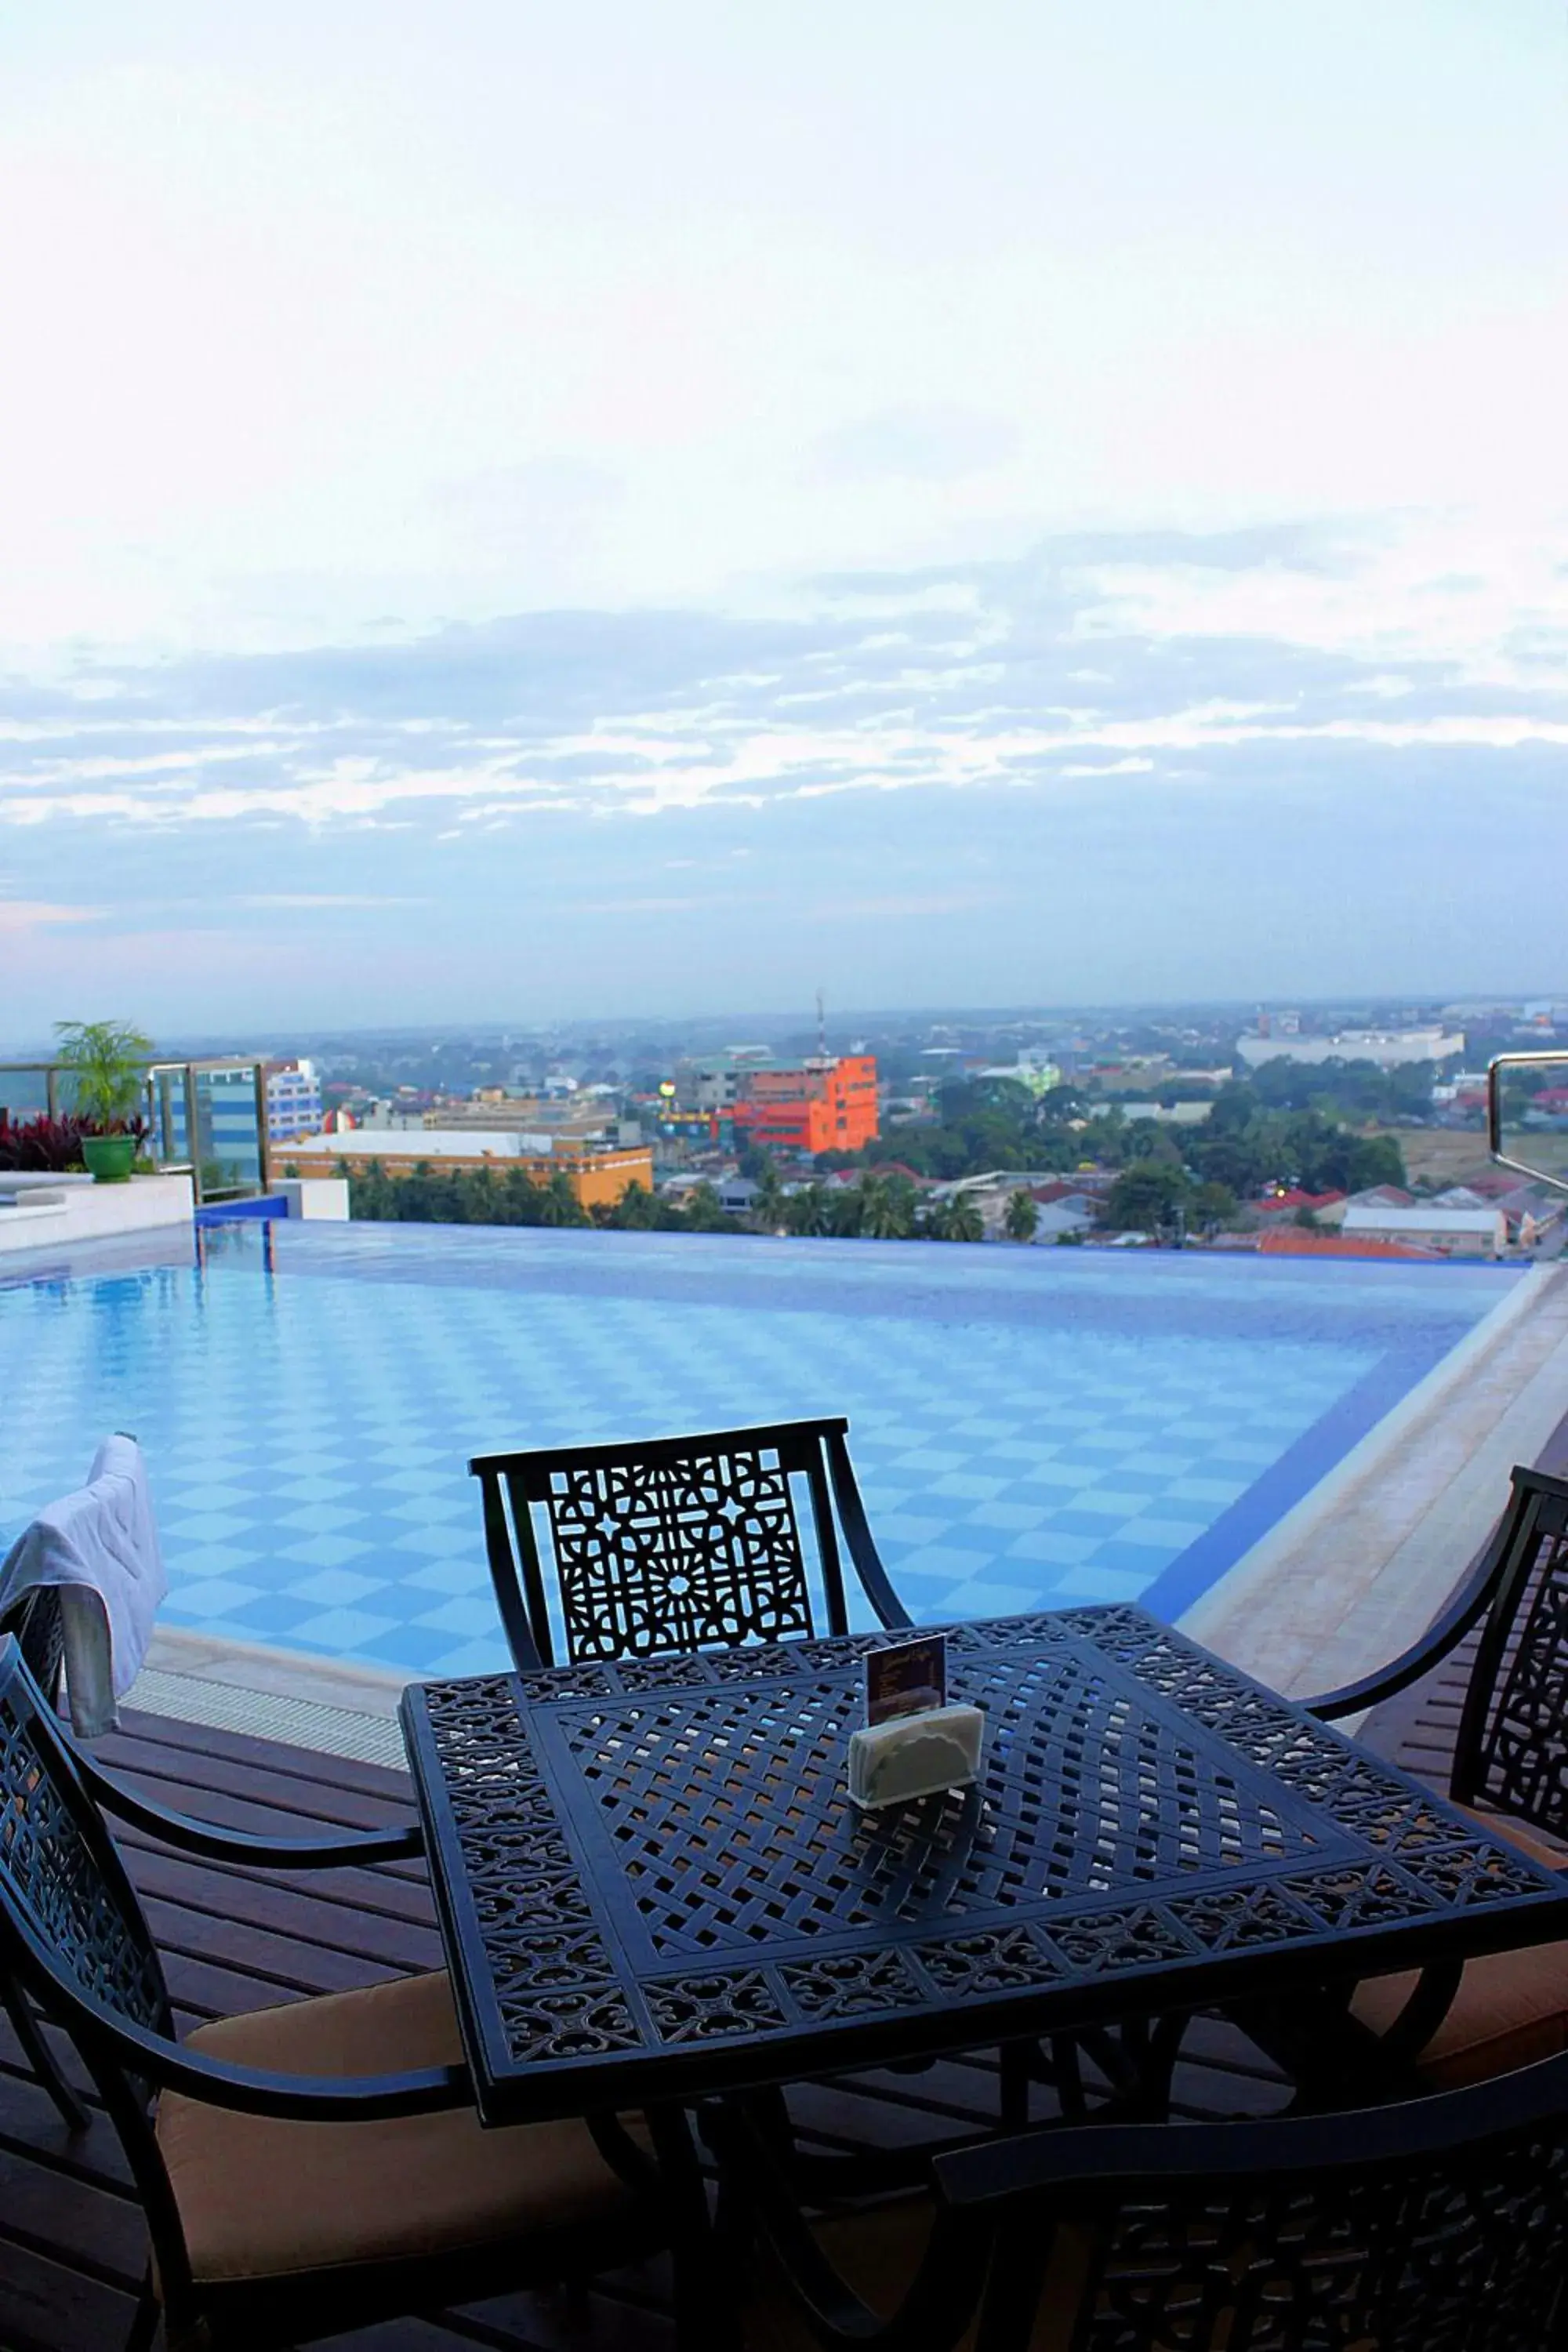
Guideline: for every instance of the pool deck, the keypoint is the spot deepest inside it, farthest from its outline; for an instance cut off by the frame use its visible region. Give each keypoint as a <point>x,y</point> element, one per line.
<point>1355,1572</point>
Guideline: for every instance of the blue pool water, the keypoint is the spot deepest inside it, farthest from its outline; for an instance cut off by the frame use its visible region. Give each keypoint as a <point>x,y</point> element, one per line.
<point>1030,1426</point>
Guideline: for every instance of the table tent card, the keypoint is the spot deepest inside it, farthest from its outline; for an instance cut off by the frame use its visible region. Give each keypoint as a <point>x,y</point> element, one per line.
<point>913,1744</point>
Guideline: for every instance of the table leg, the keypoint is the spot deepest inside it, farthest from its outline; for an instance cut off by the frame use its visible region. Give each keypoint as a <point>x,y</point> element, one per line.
<point>1333,2059</point>
<point>707,2304</point>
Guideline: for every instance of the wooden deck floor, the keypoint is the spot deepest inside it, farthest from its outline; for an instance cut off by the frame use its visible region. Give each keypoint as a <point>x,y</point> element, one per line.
<point>71,2243</point>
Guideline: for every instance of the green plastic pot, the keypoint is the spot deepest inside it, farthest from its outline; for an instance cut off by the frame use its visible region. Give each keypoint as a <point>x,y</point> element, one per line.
<point>109,1158</point>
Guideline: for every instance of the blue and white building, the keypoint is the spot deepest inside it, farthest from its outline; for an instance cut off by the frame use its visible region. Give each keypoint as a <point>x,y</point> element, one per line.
<point>293,1101</point>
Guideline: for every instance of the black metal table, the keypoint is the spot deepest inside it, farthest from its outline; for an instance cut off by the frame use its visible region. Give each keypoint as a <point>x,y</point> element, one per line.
<point>652,1884</point>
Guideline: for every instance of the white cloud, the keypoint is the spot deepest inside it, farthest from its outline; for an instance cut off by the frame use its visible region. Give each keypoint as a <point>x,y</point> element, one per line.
<point>22,915</point>
<point>1204,648</point>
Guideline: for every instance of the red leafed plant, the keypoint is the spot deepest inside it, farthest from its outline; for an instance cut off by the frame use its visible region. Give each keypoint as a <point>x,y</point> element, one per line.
<point>50,1147</point>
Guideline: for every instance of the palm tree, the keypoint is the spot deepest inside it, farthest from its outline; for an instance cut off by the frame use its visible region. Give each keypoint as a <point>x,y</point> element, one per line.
<point>955,1220</point>
<point>847,1212</point>
<point>807,1211</point>
<point>887,1208</point>
<point>1023,1217</point>
<point>768,1206</point>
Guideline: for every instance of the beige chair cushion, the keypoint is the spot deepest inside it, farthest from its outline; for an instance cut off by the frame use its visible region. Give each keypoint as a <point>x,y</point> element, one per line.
<point>261,2199</point>
<point>1511,2008</point>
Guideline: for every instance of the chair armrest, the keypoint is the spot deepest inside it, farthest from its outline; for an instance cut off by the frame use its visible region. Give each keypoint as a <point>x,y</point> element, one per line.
<point>291,2098</point>
<point>216,1845</point>
<point>1109,2164</point>
<point>1461,1616</point>
<point>139,2050</point>
<point>875,1580</point>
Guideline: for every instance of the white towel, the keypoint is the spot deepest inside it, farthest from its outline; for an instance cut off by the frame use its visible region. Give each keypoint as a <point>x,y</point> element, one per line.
<point>100,1546</point>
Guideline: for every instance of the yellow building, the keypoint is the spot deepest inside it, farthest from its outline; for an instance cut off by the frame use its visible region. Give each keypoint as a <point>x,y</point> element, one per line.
<point>596,1179</point>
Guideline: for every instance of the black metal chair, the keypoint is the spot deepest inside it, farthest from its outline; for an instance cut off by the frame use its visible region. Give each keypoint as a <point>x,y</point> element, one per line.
<point>1510,1759</point>
<point>677,1543</point>
<point>307,2169</point>
<point>1435,2226</point>
<point>1511,1751</point>
<point>38,1624</point>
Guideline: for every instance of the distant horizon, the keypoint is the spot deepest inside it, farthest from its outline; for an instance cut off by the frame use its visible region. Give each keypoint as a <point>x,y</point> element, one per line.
<point>1406,1008</point>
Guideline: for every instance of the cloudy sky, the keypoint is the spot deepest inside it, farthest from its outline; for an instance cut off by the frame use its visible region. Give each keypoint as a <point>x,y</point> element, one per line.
<point>509,511</point>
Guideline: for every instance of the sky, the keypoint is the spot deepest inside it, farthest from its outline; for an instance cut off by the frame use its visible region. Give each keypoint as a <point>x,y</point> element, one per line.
<point>509,513</point>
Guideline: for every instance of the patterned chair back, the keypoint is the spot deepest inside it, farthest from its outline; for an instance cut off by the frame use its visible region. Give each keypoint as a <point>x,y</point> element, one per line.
<point>670,1544</point>
<point>38,1622</point>
<point>1462,2249</point>
<point>1513,1746</point>
<point>65,1900</point>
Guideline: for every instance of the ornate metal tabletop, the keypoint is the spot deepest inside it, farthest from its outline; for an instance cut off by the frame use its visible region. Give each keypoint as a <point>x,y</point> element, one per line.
<point>652,1882</point>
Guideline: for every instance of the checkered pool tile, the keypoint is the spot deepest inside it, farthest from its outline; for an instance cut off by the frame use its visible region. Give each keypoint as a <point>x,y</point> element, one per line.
<point>1026,1432</point>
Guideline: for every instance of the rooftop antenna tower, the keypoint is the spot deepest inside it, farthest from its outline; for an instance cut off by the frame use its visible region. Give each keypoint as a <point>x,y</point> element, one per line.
<point>821,1025</point>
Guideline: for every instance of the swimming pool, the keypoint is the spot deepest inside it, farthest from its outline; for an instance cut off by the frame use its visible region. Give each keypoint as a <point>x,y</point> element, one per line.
<point>1030,1426</point>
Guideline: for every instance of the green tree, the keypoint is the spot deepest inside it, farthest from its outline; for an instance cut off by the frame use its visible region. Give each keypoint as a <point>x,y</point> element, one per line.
<point>561,1205</point>
<point>847,1212</point>
<point>807,1211</point>
<point>768,1206</point>
<point>705,1213</point>
<point>636,1210</point>
<point>966,1223</point>
<point>957,1219</point>
<point>1147,1198</point>
<point>1213,1208</point>
<point>1059,1104</point>
<point>1023,1217</point>
<point>887,1208</point>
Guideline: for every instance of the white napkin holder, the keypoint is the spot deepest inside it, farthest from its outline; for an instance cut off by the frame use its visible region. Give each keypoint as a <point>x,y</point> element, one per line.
<point>915,1756</point>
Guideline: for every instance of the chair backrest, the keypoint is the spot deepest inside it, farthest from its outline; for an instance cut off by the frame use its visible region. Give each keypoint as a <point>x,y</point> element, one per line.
<point>1437,2226</point>
<point>1513,1746</point>
<point>677,1543</point>
<point>64,1893</point>
<point>37,1622</point>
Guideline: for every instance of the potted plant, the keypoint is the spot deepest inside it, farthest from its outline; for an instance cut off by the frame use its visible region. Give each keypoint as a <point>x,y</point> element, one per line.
<point>108,1060</point>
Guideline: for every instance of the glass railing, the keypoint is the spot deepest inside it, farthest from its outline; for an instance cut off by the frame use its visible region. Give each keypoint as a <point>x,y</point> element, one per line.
<point>1527,1111</point>
<point>203,1118</point>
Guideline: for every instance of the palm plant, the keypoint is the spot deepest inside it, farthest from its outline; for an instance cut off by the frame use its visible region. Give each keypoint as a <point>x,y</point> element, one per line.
<point>109,1061</point>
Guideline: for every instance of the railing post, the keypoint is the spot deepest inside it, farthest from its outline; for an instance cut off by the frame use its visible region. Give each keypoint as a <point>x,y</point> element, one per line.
<point>52,1090</point>
<point>193,1139</point>
<point>263,1180</point>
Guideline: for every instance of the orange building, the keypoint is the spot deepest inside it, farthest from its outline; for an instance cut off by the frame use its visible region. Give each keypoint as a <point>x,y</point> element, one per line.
<point>596,1179</point>
<point>820,1105</point>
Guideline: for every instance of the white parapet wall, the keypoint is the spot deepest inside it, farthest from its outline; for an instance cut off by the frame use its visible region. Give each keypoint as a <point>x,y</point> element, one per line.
<point>41,1212</point>
<point>315,1196</point>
